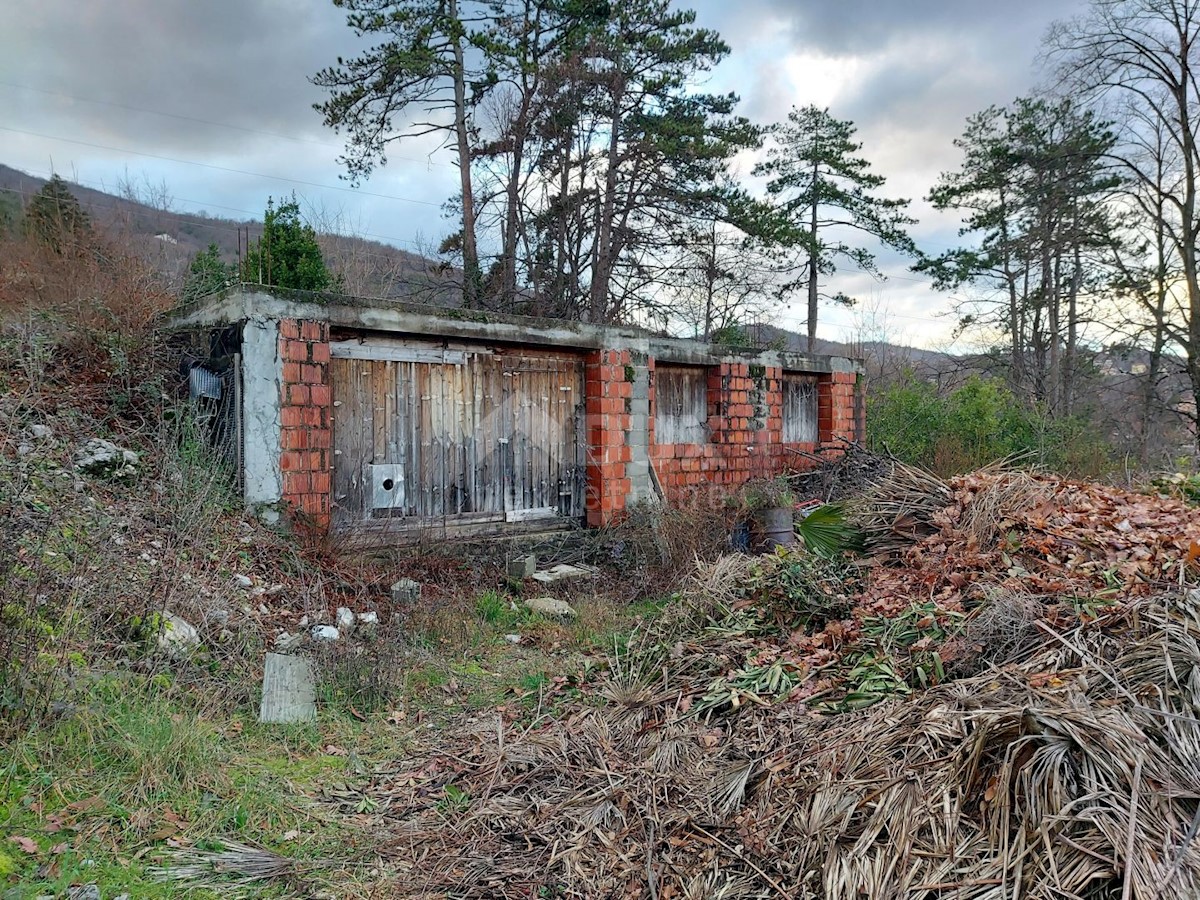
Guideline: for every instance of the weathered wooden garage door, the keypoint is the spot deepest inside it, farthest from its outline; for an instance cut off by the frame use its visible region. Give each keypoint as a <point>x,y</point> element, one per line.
<point>427,437</point>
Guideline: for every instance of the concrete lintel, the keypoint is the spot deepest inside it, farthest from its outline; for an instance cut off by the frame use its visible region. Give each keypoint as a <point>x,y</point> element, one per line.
<point>696,353</point>
<point>396,317</point>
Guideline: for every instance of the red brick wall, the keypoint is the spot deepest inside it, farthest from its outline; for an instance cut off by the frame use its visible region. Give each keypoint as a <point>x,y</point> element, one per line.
<point>306,434</point>
<point>745,422</point>
<point>837,410</point>
<point>607,392</point>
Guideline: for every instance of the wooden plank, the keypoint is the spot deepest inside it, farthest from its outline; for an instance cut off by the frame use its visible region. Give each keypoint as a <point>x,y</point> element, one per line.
<point>474,392</point>
<point>384,353</point>
<point>425,507</point>
<point>525,425</point>
<point>438,391</point>
<point>800,421</point>
<point>509,439</point>
<point>525,515</point>
<point>681,405</point>
<point>341,380</point>
<point>413,471</point>
<point>352,443</point>
<point>398,432</point>
<point>456,431</point>
<point>580,470</point>
<point>379,423</point>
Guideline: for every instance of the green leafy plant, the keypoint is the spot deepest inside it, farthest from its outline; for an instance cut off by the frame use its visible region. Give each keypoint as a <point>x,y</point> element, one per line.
<point>825,531</point>
<point>454,801</point>
<point>762,685</point>
<point>1178,485</point>
<point>768,493</point>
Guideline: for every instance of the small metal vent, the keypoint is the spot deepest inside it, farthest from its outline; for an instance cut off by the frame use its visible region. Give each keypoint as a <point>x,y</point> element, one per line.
<point>387,486</point>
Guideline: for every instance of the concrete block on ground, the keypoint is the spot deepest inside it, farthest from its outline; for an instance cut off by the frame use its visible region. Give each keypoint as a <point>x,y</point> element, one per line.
<point>406,591</point>
<point>289,690</point>
<point>562,572</point>
<point>522,566</point>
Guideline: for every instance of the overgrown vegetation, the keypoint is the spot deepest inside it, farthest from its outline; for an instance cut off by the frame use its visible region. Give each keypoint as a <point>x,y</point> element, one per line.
<point>976,424</point>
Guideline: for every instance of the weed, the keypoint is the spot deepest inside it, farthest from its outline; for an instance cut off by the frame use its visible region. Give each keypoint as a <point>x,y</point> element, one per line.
<point>454,802</point>
<point>497,610</point>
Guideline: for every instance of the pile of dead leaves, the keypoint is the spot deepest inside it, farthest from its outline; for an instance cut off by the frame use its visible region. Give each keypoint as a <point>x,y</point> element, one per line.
<point>1001,702</point>
<point>1037,534</point>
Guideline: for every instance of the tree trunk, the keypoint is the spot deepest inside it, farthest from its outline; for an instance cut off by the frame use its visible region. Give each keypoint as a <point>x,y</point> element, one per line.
<point>1068,377</point>
<point>1016,335</point>
<point>1190,234</point>
<point>472,280</point>
<point>602,265</point>
<point>814,265</point>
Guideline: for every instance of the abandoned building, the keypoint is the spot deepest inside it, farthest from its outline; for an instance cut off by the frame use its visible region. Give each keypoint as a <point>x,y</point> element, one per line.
<point>385,422</point>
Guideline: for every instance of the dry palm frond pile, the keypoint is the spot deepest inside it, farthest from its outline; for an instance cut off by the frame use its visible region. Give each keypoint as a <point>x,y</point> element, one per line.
<point>1018,680</point>
<point>901,507</point>
<point>1072,774</point>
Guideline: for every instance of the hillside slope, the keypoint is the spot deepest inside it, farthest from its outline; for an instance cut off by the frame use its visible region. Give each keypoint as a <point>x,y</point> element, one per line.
<point>169,238</point>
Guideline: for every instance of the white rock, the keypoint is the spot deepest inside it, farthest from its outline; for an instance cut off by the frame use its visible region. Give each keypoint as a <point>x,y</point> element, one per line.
<point>368,618</point>
<point>513,638</point>
<point>38,431</point>
<point>275,589</point>
<point>243,581</point>
<point>178,637</point>
<point>104,458</point>
<point>326,634</point>
<point>550,606</point>
<point>344,619</point>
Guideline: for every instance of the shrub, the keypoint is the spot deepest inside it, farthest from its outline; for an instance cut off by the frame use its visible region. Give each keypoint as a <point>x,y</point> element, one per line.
<point>975,424</point>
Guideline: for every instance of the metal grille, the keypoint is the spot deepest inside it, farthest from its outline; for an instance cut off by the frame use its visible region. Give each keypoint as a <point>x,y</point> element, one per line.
<point>217,400</point>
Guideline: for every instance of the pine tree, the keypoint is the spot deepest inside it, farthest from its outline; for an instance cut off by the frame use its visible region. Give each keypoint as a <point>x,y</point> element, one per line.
<point>287,255</point>
<point>824,196</point>
<point>55,218</point>
<point>207,273</point>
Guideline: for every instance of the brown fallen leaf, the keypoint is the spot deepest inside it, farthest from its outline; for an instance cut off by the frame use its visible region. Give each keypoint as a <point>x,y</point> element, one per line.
<point>27,845</point>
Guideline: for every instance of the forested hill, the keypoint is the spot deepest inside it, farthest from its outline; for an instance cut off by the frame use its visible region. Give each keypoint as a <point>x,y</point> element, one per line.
<point>145,215</point>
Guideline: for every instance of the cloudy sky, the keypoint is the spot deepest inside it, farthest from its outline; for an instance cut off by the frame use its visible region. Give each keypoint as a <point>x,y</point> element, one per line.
<point>212,100</point>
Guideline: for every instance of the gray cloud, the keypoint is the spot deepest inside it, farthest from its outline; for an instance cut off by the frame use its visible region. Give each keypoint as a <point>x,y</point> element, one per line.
<point>920,67</point>
<point>226,61</point>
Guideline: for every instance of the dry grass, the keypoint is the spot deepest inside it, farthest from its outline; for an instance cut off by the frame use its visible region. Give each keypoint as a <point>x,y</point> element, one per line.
<point>235,863</point>
<point>1004,493</point>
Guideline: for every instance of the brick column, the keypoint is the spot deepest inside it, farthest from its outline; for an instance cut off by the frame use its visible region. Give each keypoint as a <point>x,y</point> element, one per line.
<point>767,399</point>
<point>837,413</point>
<point>608,393</point>
<point>306,433</point>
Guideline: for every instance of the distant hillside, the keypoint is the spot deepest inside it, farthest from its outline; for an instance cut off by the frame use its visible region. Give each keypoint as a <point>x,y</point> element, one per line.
<point>171,238</point>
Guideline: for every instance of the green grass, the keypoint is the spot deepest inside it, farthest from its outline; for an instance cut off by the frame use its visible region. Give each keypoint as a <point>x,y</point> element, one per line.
<point>138,762</point>
<point>103,792</point>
